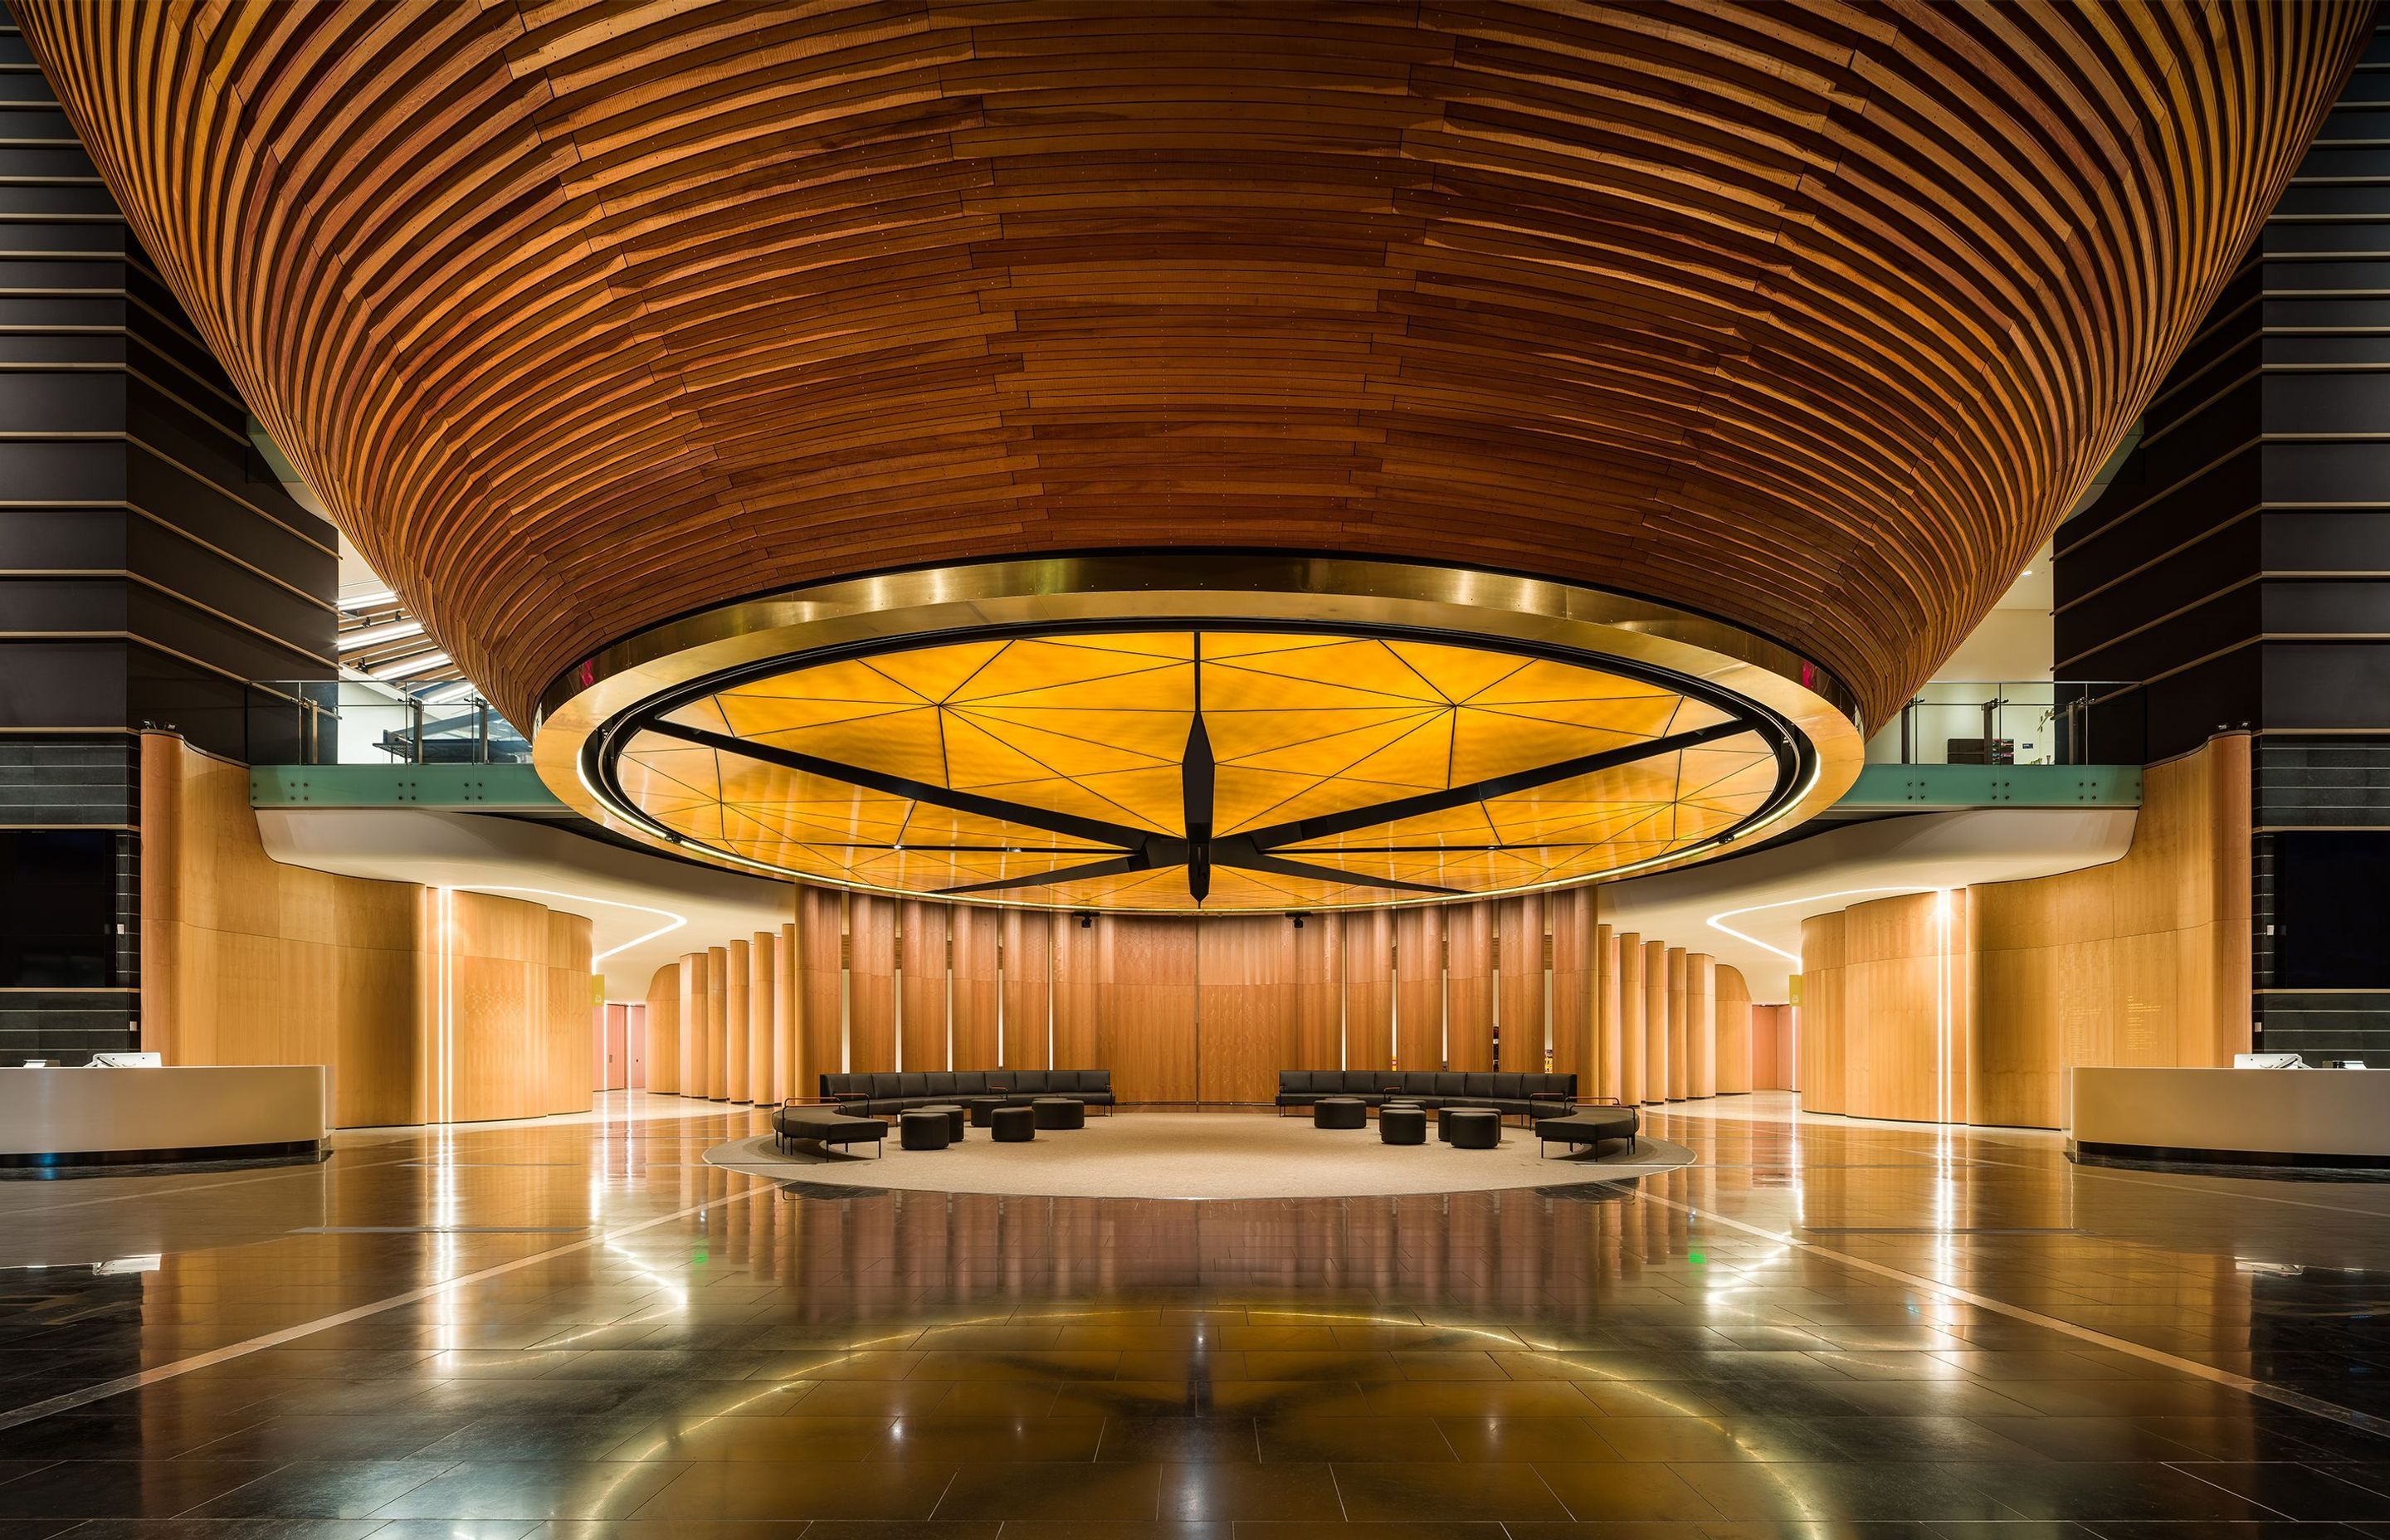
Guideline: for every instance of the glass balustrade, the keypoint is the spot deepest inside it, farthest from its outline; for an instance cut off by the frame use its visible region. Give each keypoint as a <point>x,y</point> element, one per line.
<point>349,722</point>
<point>2013,722</point>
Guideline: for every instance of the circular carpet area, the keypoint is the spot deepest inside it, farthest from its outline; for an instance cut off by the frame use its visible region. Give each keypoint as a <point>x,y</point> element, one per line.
<point>1213,1155</point>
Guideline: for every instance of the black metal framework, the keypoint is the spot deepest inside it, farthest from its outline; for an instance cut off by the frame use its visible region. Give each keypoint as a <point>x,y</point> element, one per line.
<point>1120,849</point>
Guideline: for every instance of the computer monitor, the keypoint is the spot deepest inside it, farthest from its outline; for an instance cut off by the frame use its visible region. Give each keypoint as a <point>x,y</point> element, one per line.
<point>2267,1061</point>
<point>125,1061</point>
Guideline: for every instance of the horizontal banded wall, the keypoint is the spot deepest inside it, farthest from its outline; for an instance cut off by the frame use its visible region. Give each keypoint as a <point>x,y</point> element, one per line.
<point>424,1005</point>
<point>1972,1004</point>
<point>1182,1009</point>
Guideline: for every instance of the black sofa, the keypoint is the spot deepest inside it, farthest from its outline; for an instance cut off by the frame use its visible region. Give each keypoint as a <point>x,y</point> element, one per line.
<point>878,1093</point>
<point>1509,1093</point>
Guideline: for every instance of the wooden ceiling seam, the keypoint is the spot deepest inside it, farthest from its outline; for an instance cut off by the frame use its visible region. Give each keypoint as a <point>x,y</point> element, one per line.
<point>581,319</point>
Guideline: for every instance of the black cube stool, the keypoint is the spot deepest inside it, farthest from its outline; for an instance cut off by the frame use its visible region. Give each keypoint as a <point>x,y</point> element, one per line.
<point>1475,1128</point>
<point>1058,1111</point>
<point>980,1108</point>
<point>922,1129</point>
<point>1012,1124</point>
<point>956,1119</point>
<point>1402,1124</point>
<point>1340,1113</point>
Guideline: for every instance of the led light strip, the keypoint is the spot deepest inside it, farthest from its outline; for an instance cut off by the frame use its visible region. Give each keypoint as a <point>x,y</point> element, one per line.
<point>1716,921</point>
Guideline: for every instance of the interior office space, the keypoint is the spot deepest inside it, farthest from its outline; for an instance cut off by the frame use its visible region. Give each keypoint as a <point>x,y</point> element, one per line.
<point>1021,771</point>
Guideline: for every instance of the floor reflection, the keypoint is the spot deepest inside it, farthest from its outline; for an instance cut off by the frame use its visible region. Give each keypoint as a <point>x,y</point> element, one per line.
<point>494,1328</point>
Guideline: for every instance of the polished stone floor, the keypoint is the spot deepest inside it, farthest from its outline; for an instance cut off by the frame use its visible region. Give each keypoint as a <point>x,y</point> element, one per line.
<point>578,1331</point>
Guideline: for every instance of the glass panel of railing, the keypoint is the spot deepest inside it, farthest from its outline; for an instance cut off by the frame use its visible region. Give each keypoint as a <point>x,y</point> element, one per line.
<point>2013,722</point>
<point>349,722</point>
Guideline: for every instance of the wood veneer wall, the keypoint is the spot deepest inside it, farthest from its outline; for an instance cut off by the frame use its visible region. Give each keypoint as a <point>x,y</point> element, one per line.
<point>420,1002</point>
<point>1972,1006</point>
<point>1180,1009</point>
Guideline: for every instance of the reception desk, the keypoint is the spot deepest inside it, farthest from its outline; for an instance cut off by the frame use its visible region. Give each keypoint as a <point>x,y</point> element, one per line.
<point>2241,1117</point>
<point>95,1117</point>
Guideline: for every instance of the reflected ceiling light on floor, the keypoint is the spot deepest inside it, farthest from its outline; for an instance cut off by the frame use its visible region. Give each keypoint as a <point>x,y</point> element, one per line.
<point>1718,921</point>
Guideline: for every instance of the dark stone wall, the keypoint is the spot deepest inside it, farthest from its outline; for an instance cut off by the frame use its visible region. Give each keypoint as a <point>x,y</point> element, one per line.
<point>2238,567</point>
<point>151,566</point>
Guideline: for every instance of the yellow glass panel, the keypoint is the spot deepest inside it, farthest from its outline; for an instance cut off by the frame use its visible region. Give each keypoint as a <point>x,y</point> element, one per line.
<point>849,681</point>
<point>933,672</point>
<point>1095,727</point>
<point>1486,745</point>
<point>1457,674</point>
<point>1156,736</point>
<point>1031,668</point>
<point>1245,737</point>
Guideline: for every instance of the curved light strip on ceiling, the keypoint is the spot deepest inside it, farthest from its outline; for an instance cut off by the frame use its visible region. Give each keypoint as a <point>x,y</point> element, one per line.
<point>1716,921</point>
<point>677,921</point>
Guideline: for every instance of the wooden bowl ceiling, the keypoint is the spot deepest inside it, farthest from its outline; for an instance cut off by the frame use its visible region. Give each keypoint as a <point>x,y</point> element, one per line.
<point>1168,769</point>
<point>583,315</point>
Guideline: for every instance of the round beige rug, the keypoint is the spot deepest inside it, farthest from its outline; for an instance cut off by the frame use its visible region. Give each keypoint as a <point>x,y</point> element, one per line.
<point>1205,1155</point>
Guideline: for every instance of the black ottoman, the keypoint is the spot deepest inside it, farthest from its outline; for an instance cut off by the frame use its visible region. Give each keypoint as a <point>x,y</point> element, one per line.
<point>923,1129</point>
<point>1444,1119</point>
<point>1012,1124</point>
<point>1058,1111</point>
<point>1402,1125</point>
<point>980,1108</point>
<point>1340,1113</point>
<point>1474,1128</point>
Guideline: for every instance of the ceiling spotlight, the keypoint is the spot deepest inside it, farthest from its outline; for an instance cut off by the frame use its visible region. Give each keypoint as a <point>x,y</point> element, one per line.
<point>1086,920</point>
<point>1299,916</point>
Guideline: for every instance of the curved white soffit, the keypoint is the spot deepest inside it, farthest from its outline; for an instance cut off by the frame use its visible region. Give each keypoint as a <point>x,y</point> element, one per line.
<point>644,910</point>
<point>1747,911</point>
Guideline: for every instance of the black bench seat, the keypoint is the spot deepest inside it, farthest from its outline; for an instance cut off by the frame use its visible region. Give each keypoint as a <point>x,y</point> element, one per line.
<point>883,1093</point>
<point>1589,1125</point>
<point>824,1125</point>
<point>1512,1094</point>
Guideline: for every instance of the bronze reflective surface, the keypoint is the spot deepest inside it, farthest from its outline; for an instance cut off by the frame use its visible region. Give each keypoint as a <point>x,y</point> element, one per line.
<point>578,1331</point>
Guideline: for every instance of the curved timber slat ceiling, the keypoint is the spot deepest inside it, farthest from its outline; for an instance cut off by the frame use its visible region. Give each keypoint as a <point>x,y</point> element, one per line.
<point>582,316</point>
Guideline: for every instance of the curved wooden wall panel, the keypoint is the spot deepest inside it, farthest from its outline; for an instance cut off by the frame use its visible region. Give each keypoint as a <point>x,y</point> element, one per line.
<point>1732,1003</point>
<point>579,318</point>
<point>663,1031</point>
<point>1632,1036</point>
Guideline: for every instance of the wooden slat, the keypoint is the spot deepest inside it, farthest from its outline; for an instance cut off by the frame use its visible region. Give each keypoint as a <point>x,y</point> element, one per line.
<point>1468,986</point>
<point>583,316</point>
<point>1029,988</point>
<point>1145,1008</point>
<point>1247,1007</point>
<point>1418,989</point>
<point>1660,1039</point>
<point>1632,1037</point>
<point>975,934</point>
<point>821,1008</point>
<point>1521,922</point>
<point>763,1018</point>
<point>924,1011</point>
<point>1366,938</point>
<point>1735,1059</point>
<point>663,1031</point>
<point>872,983</point>
<point>738,1018</point>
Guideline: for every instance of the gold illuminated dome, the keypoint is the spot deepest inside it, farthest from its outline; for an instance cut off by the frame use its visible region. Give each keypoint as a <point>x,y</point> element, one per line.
<point>1072,736</point>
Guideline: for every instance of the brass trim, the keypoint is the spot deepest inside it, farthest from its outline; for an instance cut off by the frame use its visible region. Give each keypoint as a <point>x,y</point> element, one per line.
<point>1202,588</point>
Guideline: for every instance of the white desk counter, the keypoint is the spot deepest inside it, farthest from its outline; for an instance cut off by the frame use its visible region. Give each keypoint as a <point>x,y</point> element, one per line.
<point>81,1117</point>
<point>2262,1117</point>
